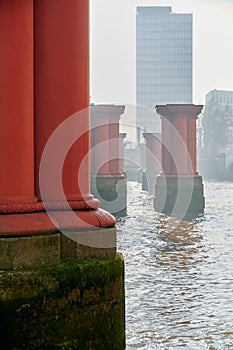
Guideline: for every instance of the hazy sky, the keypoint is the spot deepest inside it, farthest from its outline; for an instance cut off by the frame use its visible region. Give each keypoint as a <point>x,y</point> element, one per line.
<point>113,47</point>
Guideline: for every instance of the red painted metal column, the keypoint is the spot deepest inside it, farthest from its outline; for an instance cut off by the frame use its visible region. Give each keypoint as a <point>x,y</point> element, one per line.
<point>22,224</point>
<point>122,147</point>
<point>108,183</point>
<point>191,144</point>
<point>114,149</point>
<point>153,151</point>
<point>100,138</point>
<point>16,104</point>
<point>61,90</point>
<point>62,85</point>
<point>105,159</point>
<point>179,138</point>
<point>153,160</point>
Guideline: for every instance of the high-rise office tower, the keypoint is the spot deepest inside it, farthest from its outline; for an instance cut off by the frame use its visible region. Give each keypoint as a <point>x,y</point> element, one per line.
<point>163,62</point>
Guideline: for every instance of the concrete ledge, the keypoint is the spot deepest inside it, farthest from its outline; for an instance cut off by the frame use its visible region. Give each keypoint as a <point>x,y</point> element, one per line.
<point>21,252</point>
<point>100,243</point>
<point>71,305</point>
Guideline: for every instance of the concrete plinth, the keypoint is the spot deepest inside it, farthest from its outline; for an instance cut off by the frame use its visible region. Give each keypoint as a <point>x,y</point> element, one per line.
<point>148,181</point>
<point>181,197</point>
<point>70,305</point>
<point>112,192</point>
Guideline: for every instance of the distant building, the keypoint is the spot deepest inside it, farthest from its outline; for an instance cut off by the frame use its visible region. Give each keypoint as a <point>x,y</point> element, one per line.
<point>163,61</point>
<point>216,123</point>
<point>219,97</point>
<point>215,135</point>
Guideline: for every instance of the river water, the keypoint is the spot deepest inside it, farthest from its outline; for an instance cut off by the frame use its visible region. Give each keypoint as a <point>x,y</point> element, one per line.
<point>178,276</point>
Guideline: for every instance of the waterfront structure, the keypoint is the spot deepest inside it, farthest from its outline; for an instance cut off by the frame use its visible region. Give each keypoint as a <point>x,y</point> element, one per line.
<point>163,62</point>
<point>52,231</point>
<point>179,188</point>
<point>108,182</point>
<point>153,161</point>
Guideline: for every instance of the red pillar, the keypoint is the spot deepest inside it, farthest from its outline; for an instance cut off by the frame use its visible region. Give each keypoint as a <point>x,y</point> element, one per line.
<point>105,158</point>
<point>122,147</point>
<point>16,103</point>
<point>153,161</point>
<point>62,85</point>
<point>179,189</point>
<point>179,138</point>
<point>50,44</point>
<point>108,183</point>
<point>153,151</point>
<point>100,141</point>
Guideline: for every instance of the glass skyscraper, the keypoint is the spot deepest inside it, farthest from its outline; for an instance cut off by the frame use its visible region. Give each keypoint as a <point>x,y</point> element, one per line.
<point>163,61</point>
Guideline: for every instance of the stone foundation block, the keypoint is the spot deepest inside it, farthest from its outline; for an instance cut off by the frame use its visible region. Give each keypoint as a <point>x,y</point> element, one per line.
<point>112,192</point>
<point>182,197</point>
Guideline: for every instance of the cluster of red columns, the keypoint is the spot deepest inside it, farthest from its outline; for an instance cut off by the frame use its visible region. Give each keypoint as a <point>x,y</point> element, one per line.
<point>44,69</point>
<point>44,80</point>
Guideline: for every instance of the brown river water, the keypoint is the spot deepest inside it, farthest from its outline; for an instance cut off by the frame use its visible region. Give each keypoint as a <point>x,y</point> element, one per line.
<point>178,276</point>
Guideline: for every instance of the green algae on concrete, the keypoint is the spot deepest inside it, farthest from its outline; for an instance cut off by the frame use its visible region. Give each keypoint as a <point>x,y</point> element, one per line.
<point>71,305</point>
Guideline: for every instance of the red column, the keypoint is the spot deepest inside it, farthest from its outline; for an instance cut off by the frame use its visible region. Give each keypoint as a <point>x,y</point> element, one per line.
<point>99,141</point>
<point>122,147</point>
<point>16,102</point>
<point>179,138</point>
<point>62,86</point>
<point>153,151</point>
<point>114,147</point>
<point>105,158</point>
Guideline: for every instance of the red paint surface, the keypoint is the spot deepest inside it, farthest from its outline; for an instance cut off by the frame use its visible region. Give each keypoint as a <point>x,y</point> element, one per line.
<point>122,136</point>
<point>153,151</point>
<point>22,225</point>
<point>62,84</point>
<point>105,140</point>
<point>26,225</point>
<point>84,219</point>
<point>60,69</point>
<point>179,138</point>
<point>16,102</point>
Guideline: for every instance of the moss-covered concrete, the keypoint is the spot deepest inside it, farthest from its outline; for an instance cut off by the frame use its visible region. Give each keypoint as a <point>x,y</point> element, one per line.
<point>70,305</point>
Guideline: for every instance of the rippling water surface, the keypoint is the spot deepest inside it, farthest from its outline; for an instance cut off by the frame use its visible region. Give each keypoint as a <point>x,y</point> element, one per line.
<point>179,276</point>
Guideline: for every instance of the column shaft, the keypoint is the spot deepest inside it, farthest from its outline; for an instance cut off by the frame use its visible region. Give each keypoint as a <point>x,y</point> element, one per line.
<point>62,85</point>
<point>16,102</point>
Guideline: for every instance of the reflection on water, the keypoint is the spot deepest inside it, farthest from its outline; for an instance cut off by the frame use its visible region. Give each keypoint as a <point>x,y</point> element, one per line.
<point>179,276</point>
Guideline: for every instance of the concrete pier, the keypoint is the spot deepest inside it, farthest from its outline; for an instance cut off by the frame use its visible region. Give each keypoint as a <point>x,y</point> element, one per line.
<point>108,182</point>
<point>153,161</point>
<point>179,189</point>
<point>61,279</point>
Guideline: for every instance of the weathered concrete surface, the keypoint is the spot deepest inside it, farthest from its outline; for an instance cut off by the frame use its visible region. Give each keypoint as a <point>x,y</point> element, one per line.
<point>148,181</point>
<point>18,252</point>
<point>99,243</point>
<point>71,305</point>
<point>181,197</point>
<point>112,192</point>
